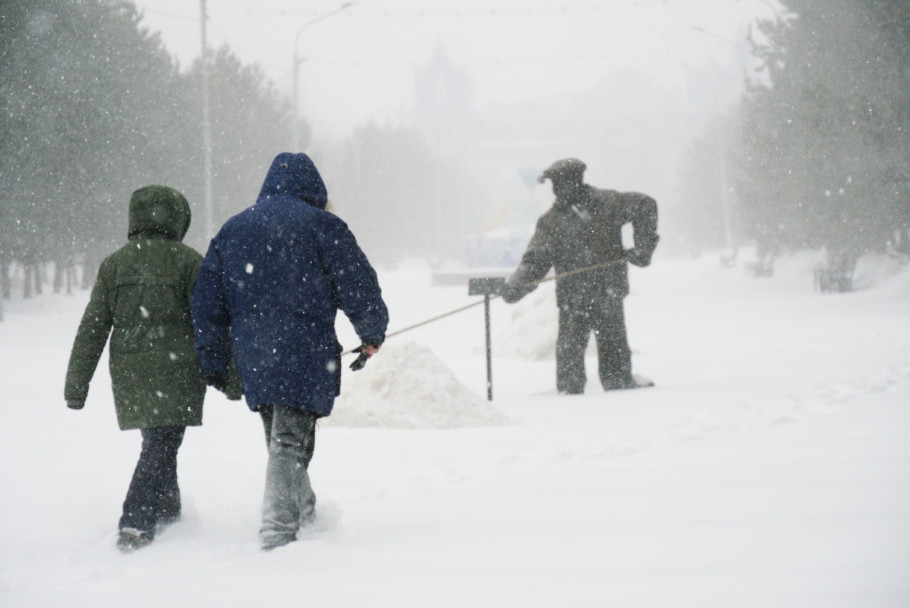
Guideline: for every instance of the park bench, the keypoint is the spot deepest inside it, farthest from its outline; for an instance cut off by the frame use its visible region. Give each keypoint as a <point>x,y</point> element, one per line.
<point>761,268</point>
<point>833,280</point>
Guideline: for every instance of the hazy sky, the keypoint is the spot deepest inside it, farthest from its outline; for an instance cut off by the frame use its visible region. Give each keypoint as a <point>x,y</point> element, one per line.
<point>359,63</point>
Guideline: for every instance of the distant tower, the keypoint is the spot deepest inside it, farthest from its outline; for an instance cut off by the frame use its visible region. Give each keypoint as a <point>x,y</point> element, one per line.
<point>441,88</point>
<point>443,116</point>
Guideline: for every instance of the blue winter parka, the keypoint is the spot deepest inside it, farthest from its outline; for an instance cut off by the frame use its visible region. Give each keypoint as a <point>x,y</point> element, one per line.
<point>270,286</point>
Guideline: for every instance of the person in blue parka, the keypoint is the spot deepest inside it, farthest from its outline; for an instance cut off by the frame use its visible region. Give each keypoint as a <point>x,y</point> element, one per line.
<point>267,294</point>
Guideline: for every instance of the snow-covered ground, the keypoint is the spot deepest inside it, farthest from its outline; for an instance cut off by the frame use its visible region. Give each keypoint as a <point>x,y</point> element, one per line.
<point>769,467</point>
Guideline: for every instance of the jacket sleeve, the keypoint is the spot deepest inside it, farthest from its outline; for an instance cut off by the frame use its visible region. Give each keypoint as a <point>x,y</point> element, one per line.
<point>356,285</point>
<point>91,336</point>
<point>192,270</point>
<point>211,318</point>
<point>536,261</point>
<point>641,211</point>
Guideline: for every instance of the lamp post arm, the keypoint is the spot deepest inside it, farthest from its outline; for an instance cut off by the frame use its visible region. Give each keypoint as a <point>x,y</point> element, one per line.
<point>296,65</point>
<point>341,8</point>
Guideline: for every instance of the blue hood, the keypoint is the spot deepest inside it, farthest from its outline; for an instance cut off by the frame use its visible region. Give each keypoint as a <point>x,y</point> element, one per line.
<point>295,175</point>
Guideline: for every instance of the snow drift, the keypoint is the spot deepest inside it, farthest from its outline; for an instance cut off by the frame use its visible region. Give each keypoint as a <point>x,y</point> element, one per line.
<point>407,386</point>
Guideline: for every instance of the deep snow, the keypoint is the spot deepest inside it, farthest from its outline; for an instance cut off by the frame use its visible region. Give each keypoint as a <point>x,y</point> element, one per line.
<point>770,466</point>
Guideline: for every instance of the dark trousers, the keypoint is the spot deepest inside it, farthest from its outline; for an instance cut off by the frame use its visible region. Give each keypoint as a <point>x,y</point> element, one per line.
<point>613,353</point>
<point>154,496</point>
<point>289,500</point>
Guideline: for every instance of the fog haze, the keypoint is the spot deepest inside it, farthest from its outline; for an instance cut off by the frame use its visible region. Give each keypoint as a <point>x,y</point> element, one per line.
<point>496,88</point>
<point>773,123</point>
<point>359,63</point>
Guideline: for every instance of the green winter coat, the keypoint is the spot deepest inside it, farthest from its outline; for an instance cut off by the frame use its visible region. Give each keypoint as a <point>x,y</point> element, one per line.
<point>143,292</point>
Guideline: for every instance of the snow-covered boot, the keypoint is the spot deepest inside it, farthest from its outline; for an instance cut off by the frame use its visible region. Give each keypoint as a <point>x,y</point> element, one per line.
<point>131,539</point>
<point>633,381</point>
<point>640,382</point>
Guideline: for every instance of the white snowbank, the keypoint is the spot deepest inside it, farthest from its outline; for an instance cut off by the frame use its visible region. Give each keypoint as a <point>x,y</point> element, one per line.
<point>407,386</point>
<point>531,333</point>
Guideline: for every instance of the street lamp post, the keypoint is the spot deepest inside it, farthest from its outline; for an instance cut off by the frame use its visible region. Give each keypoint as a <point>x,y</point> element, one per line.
<point>208,226</point>
<point>721,153</point>
<point>296,65</point>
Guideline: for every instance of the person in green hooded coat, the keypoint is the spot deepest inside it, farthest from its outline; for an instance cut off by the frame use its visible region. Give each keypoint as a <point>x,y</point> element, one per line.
<point>142,292</point>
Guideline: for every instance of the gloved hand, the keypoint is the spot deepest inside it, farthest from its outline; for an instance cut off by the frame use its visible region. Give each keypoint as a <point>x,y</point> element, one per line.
<point>75,405</point>
<point>233,389</point>
<point>637,257</point>
<point>217,380</point>
<point>362,358</point>
<point>510,294</point>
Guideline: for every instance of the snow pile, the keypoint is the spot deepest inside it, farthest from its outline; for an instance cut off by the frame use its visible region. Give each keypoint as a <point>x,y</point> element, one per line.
<point>530,334</point>
<point>407,386</point>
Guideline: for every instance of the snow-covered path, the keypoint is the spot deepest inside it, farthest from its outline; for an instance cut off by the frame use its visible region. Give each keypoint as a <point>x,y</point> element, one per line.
<point>769,467</point>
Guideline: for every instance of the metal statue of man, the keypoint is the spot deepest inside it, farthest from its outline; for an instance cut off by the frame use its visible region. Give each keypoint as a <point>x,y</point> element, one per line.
<point>580,236</point>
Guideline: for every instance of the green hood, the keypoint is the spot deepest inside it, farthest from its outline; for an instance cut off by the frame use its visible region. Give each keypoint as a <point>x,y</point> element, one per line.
<point>159,210</point>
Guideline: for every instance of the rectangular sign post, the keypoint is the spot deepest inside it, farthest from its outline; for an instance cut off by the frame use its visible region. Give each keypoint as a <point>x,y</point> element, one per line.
<point>485,287</point>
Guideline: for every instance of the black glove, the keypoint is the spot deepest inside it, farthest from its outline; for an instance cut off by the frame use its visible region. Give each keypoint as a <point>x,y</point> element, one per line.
<point>75,405</point>
<point>217,380</point>
<point>361,360</point>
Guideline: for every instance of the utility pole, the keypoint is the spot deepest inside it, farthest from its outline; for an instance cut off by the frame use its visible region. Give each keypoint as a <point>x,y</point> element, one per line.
<point>206,127</point>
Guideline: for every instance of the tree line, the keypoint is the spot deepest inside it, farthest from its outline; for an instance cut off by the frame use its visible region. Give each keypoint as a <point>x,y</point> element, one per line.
<point>92,107</point>
<point>822,137</point>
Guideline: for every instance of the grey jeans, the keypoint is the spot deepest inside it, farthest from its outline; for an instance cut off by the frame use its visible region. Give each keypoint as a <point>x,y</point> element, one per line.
<point>289,500</point>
